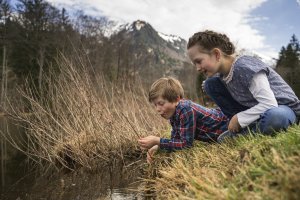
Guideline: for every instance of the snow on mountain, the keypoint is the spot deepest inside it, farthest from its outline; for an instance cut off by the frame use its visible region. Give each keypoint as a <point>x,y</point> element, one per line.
<point>139,24</point>
<point>136,25</point>
<point>169,38</point>
<point>177,42</point>
<point>113,28</point>
<point>116,26</point>
<point>128,27</point>
<point>142,32</point>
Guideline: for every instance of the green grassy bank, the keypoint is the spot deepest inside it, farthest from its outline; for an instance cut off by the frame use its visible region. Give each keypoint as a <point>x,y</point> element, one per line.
<point>253,167</point>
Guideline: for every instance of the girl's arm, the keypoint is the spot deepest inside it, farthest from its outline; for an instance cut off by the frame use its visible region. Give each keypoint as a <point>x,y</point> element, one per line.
<point>261,91</point>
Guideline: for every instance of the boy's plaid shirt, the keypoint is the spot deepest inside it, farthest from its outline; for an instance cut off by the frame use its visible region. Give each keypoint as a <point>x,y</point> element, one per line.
<point>193,121</point>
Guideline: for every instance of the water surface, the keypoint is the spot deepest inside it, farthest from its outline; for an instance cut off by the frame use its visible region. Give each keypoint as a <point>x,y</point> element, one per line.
<point>21,179</point>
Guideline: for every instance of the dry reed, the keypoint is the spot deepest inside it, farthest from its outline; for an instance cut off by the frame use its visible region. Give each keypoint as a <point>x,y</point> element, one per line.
<point>80,119</point>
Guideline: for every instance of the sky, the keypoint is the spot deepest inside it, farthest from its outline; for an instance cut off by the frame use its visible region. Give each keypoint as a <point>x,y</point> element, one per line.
<point>261,26</point>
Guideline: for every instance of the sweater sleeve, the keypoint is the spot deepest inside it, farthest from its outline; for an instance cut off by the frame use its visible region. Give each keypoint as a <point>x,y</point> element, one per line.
<point>261,91</point>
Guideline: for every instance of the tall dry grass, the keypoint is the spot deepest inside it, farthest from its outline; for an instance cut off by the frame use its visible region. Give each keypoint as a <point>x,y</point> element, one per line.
<point>80,119</point>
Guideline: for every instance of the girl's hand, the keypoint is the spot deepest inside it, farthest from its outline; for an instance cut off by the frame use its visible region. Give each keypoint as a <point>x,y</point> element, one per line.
<point>150,153</point>
<point>148,142</point>
<point>234,125</point>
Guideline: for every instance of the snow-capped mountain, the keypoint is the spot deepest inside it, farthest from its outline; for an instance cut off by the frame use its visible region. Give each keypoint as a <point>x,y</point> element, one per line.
<point>143,50</point>
<point>112,28</point>
<point>144,32</point>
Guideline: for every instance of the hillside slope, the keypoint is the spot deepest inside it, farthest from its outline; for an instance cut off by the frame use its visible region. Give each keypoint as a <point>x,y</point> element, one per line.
<point>254,167</point>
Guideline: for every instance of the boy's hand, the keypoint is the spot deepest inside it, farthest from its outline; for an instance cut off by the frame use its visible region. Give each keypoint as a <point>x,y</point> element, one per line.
<point>150,153</point>
<point>149,141</point>
<point>234,125</point>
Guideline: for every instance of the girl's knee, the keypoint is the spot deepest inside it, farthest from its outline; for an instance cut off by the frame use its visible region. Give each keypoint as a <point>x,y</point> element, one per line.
<point>276,119</point>
<point>211,85</point>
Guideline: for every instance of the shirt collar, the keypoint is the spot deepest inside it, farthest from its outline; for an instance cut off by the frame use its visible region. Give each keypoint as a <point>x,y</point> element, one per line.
<point>228,78</point>
<point>176,110</point>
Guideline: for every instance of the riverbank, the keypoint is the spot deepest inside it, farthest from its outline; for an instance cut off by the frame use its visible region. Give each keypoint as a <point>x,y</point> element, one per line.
<point>255,167</point>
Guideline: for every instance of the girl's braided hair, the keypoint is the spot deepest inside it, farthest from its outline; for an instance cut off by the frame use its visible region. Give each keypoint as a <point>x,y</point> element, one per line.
<point>210,39</point>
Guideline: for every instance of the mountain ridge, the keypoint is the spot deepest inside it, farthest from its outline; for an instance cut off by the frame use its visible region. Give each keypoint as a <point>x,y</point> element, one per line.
<point>151,36</point>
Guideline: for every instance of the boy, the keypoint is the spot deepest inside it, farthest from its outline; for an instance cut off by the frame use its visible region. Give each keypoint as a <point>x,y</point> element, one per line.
<point>189,120</point>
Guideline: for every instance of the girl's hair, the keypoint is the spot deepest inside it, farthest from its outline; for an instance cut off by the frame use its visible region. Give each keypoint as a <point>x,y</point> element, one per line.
<point>208,40</point>
<point>168,88</point>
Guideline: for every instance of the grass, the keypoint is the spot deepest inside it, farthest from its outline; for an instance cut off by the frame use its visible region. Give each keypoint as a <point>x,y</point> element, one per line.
<point>253,167</point>
<point>81,120</point>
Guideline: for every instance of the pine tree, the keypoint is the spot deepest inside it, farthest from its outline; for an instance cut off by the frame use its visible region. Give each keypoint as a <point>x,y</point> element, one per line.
<point>5,15</point>
<point>281,58</point>
<point>288,64</point>
<point>41,29</point>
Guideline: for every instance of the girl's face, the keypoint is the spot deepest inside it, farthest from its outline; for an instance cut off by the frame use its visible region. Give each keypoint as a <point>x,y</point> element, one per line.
<point>205,62</point>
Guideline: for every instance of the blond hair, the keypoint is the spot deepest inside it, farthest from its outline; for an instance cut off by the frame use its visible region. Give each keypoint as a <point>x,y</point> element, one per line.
<point>168,88</point>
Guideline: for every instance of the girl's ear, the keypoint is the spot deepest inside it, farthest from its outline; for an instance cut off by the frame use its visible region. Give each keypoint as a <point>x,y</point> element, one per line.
<point>217,52</point>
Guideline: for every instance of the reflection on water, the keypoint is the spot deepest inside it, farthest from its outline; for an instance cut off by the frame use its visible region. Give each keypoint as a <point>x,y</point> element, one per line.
<point>122,194</point>
<point>14,170</point>
<point>12,161</point>
<point>20,181</point>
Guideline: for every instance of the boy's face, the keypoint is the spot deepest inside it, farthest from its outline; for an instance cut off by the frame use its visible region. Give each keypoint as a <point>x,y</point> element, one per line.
<point>204,62</point>
<point>165,108</point>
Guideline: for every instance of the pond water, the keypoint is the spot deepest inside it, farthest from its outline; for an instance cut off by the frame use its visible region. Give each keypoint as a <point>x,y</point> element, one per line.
<point>22,181</point>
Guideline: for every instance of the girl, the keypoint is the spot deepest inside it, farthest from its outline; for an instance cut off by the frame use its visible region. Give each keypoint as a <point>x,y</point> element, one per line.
<point>248,91</point>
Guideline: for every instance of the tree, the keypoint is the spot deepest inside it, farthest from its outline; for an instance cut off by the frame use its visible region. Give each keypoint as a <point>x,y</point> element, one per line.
<point>93,40</point>
<point>289,56</point>
<point>5,14</point>
<point>37,43</point>
<point>288,64</point>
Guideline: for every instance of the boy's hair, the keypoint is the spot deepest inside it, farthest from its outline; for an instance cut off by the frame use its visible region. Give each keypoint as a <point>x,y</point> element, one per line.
<point>168,88</point>
<point>210,39</point>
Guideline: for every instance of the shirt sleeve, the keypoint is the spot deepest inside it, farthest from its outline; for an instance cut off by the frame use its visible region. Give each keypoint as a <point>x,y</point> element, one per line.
<point>183,135</point>
<point>261,91</point>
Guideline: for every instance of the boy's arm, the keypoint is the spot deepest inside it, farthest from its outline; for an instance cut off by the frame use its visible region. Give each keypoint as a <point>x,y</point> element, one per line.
<point>187,128</point>
<point>149,141</point>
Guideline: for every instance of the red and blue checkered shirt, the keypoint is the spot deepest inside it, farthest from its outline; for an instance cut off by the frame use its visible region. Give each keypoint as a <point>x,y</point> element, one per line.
<point>193,121</point>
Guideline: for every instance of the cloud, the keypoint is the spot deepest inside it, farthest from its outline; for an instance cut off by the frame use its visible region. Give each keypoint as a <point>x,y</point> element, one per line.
<point>183,18</point>
<point>298,1</point>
